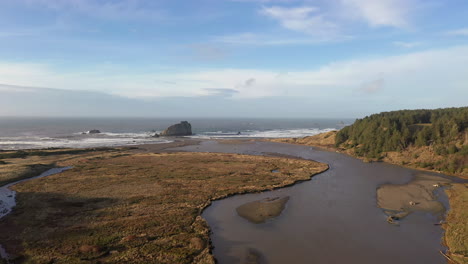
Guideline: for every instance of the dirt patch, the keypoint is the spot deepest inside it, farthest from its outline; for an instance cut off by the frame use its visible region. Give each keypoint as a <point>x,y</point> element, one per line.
<point>260,211</point>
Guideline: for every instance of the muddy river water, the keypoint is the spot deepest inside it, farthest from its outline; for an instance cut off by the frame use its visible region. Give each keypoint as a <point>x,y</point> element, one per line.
<point>333,218</point>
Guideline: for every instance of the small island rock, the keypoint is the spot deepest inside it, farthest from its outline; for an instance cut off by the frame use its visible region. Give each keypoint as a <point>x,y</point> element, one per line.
<point>94,131</point>
<point>182,129</point>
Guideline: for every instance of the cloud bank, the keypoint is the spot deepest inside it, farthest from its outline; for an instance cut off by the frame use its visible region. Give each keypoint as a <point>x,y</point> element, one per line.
<point>427,72</point>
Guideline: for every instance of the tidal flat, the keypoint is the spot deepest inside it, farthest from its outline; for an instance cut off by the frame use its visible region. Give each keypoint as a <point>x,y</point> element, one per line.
<point>260,211</point>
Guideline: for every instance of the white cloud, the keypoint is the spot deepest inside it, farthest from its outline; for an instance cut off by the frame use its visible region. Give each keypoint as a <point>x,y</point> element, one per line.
<point>373,86</point>
<point>219,92</point>
<point>302,19</point>
<point>393,13</point>
<point>332,21</point>
<point>458,32</point>
<point>413,74</point>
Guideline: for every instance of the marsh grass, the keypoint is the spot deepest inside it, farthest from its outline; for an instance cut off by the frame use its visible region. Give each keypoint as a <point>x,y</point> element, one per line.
<point>48,152</point>
<point>456,228</point>
<point>18,165</point>
<point>135,208</point>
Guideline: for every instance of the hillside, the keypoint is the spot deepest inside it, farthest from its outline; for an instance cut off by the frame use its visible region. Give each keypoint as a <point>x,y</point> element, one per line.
<point>323,140</point>
<point>434,140</point>
<point>430,139</point>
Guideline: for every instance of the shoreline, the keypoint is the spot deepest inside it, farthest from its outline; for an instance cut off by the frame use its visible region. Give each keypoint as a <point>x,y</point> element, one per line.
<point>363,159</point>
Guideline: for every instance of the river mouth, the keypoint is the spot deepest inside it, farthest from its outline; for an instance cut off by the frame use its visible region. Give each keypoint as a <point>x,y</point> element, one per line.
<point>334,218</point>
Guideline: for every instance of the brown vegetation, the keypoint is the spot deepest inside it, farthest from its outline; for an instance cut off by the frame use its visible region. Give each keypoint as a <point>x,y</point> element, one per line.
<point>456,234</point>
<point>424,157</point>
<point>323,140</point>
<point>122,207</point>
<point>18,165</point>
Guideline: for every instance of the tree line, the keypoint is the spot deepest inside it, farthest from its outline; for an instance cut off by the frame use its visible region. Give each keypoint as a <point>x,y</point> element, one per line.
<point>442,129</point>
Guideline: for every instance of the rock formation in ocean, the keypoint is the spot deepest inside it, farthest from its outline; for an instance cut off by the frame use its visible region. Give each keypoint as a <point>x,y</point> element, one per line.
<point>94,131</point>
<point>184,128</point>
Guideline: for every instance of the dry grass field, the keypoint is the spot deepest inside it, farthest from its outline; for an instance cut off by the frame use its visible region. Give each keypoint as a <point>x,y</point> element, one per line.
<point>323,140</point>
<point>456,227</point>
<point>18,165</point>
<point>122,207</point>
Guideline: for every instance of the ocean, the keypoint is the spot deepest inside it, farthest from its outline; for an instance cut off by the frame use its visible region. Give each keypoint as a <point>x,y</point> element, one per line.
<point>37,133</point>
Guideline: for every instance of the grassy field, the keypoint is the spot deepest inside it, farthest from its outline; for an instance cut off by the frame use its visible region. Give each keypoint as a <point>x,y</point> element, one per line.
<point>18,165</point>
<point>456,235</point>
<point>134,208</point>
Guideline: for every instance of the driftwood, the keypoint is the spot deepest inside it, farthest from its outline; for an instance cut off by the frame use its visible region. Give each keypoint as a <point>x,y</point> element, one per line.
<point>447,257</point>
<point>393,220</point>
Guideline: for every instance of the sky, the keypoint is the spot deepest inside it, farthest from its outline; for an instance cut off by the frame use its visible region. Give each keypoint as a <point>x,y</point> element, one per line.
<point>231,58</point>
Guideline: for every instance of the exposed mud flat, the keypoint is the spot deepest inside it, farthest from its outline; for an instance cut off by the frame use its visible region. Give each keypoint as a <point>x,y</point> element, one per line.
<point>260,211</point>
<point>399,200</point>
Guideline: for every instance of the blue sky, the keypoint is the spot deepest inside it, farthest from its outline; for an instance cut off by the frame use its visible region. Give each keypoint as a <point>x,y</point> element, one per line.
<point>334,58</point>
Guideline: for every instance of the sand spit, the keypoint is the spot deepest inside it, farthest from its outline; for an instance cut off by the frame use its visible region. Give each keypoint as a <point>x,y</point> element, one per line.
<point>260,211</point>
<point>417,195</point>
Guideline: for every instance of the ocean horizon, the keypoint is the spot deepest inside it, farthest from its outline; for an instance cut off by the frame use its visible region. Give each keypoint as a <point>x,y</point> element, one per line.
<point>46,132</point>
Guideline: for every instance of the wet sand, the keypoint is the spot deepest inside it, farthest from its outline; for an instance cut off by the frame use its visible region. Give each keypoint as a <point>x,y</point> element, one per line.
<point>159,148</point>
<point>417,195</point>
<point>334,218</point>
<point>260,211</point>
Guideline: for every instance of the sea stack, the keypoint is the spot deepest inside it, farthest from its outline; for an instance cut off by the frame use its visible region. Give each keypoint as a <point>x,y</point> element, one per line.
<point>94,131</point>
<point>184,128</point>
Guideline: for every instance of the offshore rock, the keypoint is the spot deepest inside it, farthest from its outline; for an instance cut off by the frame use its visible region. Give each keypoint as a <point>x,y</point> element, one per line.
<point>184,128</point>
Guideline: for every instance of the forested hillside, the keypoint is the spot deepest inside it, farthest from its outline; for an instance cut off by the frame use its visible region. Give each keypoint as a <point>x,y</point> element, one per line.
<point>439,137</point>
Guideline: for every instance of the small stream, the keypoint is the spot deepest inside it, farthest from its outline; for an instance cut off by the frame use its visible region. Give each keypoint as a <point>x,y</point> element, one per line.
<point>8,198</point>
<point>333,218</point>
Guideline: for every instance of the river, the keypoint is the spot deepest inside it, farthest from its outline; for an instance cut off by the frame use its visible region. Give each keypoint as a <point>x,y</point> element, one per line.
<point>333,218</point>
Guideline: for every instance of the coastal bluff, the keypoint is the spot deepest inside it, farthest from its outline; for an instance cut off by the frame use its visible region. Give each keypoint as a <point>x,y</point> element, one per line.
<point>184,128</point>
